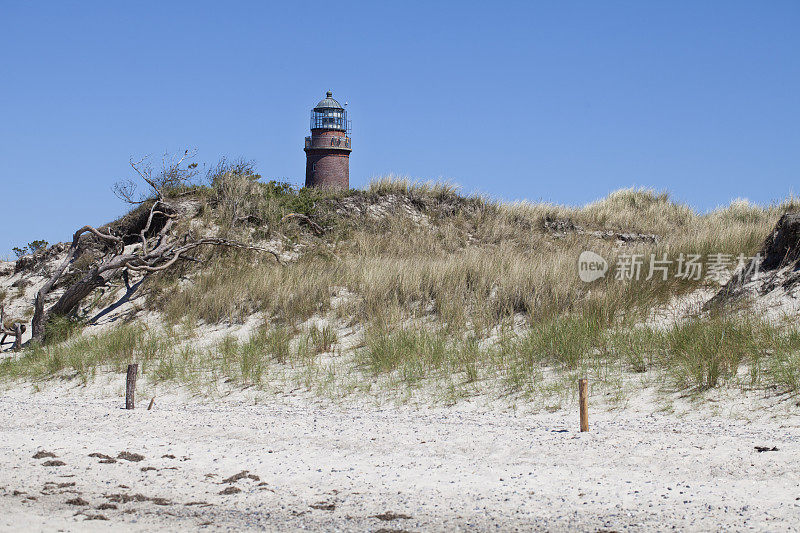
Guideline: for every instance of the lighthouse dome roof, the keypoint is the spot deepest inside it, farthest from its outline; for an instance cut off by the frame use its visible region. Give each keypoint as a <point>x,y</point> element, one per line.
<point>328,103</point>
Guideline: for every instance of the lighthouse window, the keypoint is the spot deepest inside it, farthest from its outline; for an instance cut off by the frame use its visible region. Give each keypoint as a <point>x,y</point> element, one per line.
<point>335,119</point>
<point>332,119</point>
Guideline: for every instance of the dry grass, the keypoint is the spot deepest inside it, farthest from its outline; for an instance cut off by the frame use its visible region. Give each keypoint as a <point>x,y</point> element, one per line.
<point>469,260</point>
<point>457,289</point>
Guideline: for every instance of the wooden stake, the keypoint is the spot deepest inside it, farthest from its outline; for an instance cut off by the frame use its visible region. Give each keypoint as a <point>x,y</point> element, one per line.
<point>17,336</point>
<point>583,398</point>
<point>130,385</point>
<point>152,403</point>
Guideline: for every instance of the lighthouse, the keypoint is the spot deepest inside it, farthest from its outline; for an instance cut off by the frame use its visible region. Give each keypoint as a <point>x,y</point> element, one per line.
<point>328,148</point>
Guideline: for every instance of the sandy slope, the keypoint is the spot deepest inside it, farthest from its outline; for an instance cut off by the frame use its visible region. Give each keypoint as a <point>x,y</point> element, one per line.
<point>448,469</point>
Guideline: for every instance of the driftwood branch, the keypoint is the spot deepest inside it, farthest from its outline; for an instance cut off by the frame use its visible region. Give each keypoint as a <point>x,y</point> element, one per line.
<point>157,256</point>
<point>11,328</point>
<point>157,253</point>
<point>149,224</point>
<point>316,228</point>
<point>154,264</point>
<point>39,315</point>
<point>145,175</point>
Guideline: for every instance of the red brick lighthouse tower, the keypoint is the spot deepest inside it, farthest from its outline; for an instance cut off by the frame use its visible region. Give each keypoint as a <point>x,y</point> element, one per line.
<point>328,148</point>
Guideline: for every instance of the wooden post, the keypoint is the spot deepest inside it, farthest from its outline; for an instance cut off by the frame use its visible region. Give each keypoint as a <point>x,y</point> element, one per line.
<point>152,403</point>
<point>583,399</point>
<point>17,336</point>
<point>130,385</point>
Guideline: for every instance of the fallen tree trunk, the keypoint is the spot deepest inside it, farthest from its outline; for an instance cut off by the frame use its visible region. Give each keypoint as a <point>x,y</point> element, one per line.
<point>777,264</point>
<point>161,257</point>
<point>39,314</point>
<point>11,328</point>
<point>157,249</point>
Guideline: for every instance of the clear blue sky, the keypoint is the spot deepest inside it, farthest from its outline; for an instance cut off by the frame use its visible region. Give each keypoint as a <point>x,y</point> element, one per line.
<point>556,101</point>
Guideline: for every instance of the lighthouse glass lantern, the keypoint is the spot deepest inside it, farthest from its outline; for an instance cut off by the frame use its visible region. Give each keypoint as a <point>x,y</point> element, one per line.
<point>327,115</point>
<point>328,148</point>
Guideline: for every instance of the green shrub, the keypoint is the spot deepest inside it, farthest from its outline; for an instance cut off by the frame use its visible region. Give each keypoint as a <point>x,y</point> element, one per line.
<point>60,328</point>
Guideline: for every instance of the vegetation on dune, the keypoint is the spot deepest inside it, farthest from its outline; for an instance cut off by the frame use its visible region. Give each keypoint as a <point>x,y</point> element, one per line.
<point>696,355</point>
<point>458,290</point>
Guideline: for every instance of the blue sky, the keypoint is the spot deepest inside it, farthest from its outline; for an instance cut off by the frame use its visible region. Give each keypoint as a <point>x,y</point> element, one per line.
<point>555,101</point>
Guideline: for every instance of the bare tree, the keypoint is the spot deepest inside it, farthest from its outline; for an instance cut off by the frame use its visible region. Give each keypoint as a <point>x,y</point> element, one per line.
<point>173,175</point>
<point>156,250</point>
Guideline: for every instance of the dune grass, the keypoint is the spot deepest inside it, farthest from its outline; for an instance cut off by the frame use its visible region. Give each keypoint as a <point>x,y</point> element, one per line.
<point>694,355</point>
<point>468,259</point>
<point>459,290</point>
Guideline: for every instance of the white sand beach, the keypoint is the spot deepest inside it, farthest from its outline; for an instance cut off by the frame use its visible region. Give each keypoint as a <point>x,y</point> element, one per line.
<point>321,467</point>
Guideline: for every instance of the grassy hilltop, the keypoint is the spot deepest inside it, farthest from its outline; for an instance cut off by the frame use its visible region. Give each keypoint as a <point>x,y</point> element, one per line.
<point>408,288</point>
